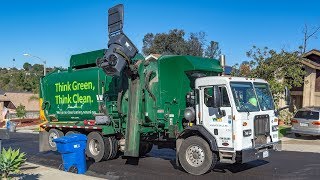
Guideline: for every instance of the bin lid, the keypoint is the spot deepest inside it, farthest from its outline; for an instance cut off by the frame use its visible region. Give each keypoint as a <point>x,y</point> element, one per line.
<point>71,138</point>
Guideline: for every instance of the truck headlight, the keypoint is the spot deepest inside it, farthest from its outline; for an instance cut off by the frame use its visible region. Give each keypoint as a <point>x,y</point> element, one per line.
<point>247,132</point>
<point>275,128</point>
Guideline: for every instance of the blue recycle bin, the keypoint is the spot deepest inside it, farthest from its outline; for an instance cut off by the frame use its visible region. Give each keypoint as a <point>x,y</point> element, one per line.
<point>72,149</point>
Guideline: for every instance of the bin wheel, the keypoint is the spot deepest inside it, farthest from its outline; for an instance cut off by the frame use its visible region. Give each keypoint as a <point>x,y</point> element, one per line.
<point>73,169</point>
<point>61,167</point>
<point>54,134</point>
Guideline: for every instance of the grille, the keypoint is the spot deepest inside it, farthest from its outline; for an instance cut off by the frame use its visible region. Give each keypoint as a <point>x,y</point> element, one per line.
<point>261,129</point>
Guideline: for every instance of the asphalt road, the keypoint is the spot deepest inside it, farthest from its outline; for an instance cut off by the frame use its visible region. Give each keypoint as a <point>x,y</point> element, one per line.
<point>160,164</point>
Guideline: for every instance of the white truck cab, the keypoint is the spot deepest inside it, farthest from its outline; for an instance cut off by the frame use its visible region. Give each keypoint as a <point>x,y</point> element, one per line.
<point>244,125</point>
<point>235,118</point>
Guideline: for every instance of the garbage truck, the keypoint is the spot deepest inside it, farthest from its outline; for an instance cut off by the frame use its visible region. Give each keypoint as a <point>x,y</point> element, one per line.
<point>126,103</point>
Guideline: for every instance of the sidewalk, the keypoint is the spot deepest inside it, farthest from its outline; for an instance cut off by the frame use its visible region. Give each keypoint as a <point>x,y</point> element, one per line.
<point>28,129</point>
<point>31,171</point>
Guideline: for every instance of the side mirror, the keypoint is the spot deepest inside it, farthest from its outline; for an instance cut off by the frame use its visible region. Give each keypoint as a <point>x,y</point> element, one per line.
<point>216,97</point>
<point>287,96</point>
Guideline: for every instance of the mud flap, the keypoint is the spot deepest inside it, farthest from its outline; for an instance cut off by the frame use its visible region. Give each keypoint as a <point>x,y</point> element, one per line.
<point>43,141</point>
<point>178,144</point>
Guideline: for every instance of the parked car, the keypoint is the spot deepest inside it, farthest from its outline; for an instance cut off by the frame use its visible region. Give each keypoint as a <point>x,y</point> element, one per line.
<point>306,121</point>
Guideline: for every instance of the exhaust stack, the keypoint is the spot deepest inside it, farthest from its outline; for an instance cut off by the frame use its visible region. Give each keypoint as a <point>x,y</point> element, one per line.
<point>223,63</point>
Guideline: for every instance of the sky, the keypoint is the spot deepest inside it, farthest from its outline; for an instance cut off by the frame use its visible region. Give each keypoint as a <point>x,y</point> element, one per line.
<point>55,29</point>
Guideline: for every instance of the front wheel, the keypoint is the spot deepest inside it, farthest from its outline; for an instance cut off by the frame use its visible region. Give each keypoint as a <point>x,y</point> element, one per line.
<point>195,156</point>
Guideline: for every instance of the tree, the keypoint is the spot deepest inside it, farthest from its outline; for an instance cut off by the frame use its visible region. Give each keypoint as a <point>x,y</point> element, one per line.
<point>307,34</point>
<point>27,66</point>
<point>196,43</point>
<point>175,43</point>
<point>242,70</point>
<point>281,69</point>
<point>213,50</point>
<point>21,111</point>
<point>162,43</point>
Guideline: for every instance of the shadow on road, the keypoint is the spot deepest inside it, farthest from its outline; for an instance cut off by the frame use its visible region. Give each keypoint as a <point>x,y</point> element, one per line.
<point>26,176</point>
<point>235,168</point>
<point>169,154</point>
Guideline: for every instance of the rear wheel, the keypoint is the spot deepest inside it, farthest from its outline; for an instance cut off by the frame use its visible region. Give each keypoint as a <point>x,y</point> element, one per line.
<point>98,147</point>
<point>297,134</point>
<point>145,148</point>
<point>195,156</point>
<point>114,146</point>
<point>54,134</point>
<point>71,132</point>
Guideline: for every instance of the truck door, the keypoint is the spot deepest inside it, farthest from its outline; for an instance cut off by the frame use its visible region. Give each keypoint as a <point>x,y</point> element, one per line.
<point>218,125</point>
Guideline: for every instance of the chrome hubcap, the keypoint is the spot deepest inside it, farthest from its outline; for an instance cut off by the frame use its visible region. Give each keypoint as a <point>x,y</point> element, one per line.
<point>195,155</point>
<point>52,136</point>
<point>94,147</point>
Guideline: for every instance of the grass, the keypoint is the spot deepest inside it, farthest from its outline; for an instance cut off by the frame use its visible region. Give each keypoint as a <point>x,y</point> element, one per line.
<point>283,130</point>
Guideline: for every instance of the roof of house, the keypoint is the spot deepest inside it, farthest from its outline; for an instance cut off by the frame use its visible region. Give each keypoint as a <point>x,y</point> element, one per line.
<point>312,59</point>
<point>26,99</point>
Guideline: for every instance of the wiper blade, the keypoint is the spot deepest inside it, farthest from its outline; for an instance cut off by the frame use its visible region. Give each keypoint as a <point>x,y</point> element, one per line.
<point>245,108</point>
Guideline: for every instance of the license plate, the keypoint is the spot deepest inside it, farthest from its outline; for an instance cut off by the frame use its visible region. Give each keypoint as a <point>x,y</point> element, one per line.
<point>265,154</point>
<point>304,124</point>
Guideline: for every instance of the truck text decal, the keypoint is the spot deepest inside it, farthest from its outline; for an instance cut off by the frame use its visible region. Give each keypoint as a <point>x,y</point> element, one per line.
<point>73,98</point>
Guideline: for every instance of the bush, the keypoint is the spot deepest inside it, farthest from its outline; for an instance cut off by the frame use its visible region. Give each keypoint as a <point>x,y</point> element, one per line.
<point>11,161</point>
<point>286,116</point>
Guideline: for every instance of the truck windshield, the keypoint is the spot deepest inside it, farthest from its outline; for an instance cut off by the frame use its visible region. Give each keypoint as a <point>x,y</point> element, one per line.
<point>244,96</point>
<point>264,96</point>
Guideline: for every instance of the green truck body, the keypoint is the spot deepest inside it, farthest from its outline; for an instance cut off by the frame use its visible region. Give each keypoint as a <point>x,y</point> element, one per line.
<point>71,96</point>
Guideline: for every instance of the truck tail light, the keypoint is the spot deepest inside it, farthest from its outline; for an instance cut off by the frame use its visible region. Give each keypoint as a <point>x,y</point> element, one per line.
<point>89,122</point>
<point>317,123</point>
<point>293,121</point>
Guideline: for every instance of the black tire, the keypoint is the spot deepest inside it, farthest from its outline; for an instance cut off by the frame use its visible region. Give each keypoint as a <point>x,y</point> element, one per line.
<point>73,169</point>
<point>53,134</point>
<point>145,148</point>
<point>201,160</point>
<point>71,132</point>
<point>149,147</point>
<point>98,147</point>
<point>115,147</point>
<point>297,134</point>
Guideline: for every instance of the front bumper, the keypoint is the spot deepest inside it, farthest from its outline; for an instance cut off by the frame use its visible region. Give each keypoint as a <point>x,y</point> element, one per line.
<point>260,152</point>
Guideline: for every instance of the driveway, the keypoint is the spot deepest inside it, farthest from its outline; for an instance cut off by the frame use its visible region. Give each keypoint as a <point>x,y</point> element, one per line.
<point>301,144</point>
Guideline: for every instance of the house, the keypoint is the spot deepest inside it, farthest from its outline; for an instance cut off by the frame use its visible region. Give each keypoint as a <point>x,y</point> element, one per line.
<point>309,93</point>
<point>9,101</point>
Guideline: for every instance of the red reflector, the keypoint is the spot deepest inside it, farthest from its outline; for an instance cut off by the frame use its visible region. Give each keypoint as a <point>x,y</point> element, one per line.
<point>294,121</point>
<point>316,123</point>
<point>89,122</point>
